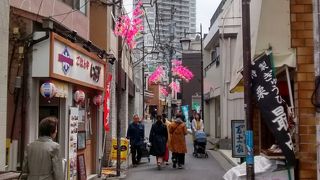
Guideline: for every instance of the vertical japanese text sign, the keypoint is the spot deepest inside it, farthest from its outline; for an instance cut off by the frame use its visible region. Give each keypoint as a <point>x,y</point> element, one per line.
<point>266,92</point>
<point>238,138</point>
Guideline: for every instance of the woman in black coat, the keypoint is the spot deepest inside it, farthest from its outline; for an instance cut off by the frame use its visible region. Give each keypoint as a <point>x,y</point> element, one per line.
<point>158,139</point>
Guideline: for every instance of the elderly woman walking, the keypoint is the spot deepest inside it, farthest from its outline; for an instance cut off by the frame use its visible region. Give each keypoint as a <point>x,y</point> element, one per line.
<point>158,139</point>
<point>178,131</point>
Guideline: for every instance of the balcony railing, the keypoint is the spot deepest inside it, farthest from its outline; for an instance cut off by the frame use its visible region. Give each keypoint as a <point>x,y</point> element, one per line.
<point>215,61</point>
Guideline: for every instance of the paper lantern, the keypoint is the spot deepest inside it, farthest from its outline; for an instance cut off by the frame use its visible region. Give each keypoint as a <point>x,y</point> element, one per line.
<point>97,100</point>
<point>48,90</point>
<point>79,96</point>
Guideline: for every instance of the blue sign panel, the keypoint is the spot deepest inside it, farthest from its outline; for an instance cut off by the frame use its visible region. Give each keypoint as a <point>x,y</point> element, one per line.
<point>238,138</point>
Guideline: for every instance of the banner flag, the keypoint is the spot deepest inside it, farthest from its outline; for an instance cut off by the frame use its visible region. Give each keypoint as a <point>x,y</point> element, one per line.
<point>106,103</point>
<point>266,93</point>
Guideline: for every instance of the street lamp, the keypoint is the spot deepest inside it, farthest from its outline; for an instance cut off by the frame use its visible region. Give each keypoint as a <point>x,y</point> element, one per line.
<point>185,43</point>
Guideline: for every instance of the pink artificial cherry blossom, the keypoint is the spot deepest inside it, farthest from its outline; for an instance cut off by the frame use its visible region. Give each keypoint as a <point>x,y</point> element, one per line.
<point>182,72</point>
<point>156,75</point>
<point>127,28</point>
<point>175,86</point>
<point>164,91</point>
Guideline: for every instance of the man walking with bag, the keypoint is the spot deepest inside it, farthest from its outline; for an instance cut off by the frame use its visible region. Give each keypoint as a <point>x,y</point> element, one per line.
<point>136,136</point>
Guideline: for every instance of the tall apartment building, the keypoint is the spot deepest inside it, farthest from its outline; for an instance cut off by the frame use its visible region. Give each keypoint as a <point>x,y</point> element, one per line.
<point>165,21</point>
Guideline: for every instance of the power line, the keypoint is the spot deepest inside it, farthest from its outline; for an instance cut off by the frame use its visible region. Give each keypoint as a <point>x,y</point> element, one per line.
<point>71,11</point>
<point>39,9</point>
<point>84,5</point>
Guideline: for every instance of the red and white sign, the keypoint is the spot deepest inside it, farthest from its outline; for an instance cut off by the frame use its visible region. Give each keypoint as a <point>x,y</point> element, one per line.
<point>70,63</point>
<point>106,104</point>
<point>58,58</point>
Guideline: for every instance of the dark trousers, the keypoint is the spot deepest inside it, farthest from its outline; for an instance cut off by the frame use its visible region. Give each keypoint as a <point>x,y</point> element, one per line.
<point>178,158</point>
<point>136,153</point>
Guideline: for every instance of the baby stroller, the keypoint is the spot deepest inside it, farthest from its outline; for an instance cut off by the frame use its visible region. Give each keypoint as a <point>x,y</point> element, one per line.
<point>146,149</point>
<point>200,143</point>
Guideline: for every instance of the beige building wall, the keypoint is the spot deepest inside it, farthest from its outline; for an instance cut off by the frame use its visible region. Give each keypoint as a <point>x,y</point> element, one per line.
<point>59,11</point>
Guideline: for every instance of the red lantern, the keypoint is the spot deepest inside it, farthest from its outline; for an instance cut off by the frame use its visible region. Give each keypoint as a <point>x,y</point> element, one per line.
<point>79,96</point>
<point>97,100</point>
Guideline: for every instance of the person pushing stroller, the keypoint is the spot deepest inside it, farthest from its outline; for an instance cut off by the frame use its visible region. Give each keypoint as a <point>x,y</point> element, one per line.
<point>199,136</point>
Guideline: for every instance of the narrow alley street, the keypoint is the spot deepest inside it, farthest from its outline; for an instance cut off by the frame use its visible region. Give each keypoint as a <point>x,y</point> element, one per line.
<point>195,168</point>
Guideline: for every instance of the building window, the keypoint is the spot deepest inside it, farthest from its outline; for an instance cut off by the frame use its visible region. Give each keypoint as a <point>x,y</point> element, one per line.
<point>213,55</point>
<point>80,5</point>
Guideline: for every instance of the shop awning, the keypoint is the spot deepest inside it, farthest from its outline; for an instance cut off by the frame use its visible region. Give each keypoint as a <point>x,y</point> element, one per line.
<point>268,30</point>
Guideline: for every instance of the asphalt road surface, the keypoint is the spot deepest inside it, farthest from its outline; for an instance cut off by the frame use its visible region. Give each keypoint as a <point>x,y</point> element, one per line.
<point>195,168</point>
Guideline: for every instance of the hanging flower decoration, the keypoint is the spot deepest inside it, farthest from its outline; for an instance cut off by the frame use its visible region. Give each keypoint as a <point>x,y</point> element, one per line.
<point>127,28</point>
<point>156,76</point>
<point>164,91</point>
<point>175,87</point>
<point>182,72</point>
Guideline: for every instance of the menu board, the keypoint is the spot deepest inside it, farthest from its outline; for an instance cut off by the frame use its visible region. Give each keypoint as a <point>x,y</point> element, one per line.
<point>81,167</point>
<point>73,131</point>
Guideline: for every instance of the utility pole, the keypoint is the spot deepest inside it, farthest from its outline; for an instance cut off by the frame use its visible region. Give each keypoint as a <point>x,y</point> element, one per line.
<point>143,80</point>
<point>118,97</point>
<point>247,87</point>
<point>202,84</point>
<point>170,63</point>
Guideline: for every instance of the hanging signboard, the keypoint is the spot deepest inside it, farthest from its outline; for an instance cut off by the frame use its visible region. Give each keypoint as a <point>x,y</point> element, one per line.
<point>185,112</point>
<point>271,105</point>
<point>61,59</point>
<point>73,131</point>
<point>238,138</point>
<point>72,64</point>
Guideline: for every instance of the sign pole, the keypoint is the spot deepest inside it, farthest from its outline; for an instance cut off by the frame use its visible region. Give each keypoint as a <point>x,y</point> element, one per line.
<point>247,88</point>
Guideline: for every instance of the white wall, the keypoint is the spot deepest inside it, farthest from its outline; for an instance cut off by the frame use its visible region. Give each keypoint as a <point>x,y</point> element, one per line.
<point>232,104</point>
<point>212,117</point>
<point>4,39</point>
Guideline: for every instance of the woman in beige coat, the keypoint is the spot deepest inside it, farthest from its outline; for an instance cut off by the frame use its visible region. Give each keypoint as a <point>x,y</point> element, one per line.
<point>178,131</point>
<point>42,159</point>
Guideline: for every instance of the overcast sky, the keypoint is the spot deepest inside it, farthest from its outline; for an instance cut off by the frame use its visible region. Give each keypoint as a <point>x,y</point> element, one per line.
<point>205,10</point>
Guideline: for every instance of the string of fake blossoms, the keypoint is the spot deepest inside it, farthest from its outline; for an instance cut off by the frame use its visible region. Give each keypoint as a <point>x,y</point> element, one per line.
<point>181,71</point>
<point>127,28</point>
<point>156,76</point>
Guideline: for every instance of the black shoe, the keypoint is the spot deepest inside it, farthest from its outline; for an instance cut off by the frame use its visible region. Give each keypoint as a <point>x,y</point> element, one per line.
<point>174,165</point>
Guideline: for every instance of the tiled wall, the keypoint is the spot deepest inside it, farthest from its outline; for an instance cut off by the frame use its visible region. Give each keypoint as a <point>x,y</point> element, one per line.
<point>302,40</point>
